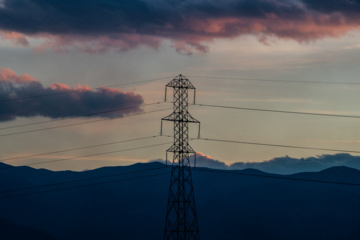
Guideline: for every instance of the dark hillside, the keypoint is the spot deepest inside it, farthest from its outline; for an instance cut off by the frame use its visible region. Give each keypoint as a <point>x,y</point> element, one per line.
<point>230,204</point>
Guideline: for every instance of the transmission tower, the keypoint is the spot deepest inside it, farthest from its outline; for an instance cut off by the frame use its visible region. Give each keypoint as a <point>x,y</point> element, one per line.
<point>181,220</point>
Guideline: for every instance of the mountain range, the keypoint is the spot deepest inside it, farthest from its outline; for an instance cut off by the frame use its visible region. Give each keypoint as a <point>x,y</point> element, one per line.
<point>130,203</point>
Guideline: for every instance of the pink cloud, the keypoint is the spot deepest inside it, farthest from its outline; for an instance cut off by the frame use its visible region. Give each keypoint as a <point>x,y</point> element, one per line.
<point>190,26</point>
<point>199,154</point>
<point>60,100</point>
<point>16,37</point>
<point>201,32</point>
<point>60,86</point>
<point>8,75</point>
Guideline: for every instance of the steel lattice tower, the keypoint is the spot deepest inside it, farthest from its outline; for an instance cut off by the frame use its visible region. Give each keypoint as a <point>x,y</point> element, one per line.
<point>181,220</point>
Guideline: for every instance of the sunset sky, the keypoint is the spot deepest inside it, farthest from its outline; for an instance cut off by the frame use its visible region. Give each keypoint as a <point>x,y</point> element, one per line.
<point>94,48</point>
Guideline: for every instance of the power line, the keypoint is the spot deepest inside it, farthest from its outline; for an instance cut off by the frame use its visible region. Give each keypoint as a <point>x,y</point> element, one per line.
<point>78,148</point>
<point>277,80</point>
<point>89,155</point>
<point>201,105</point>
<point>207,77</point>
<point>278,111</point>
<point>79,180</point>
<point>71,91</point>
<point>138,82</point>
<point>84,115</point>
<point>279,177</point>
<point>276,145</point>
<point>86,185</point>
<point>80,123</point>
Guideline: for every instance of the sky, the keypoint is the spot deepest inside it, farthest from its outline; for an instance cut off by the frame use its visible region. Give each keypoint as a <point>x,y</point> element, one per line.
<point>100,49</point>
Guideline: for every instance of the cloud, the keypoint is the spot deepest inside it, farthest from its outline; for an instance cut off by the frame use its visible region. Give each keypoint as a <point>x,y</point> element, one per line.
<point>201,161</point>
<point>80,101</point>
<point>97,25</point>
<point>288,165</point>
<point>282,165</point>
<point>357,46</point>
<point>206,161</point>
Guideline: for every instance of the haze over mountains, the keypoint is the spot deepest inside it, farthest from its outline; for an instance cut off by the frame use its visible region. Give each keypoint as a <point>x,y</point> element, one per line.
<point>283,165</point>
<point>130,203</point>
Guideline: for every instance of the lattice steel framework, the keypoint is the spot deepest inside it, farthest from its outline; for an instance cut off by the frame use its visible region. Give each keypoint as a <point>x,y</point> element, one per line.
<point>181,219</point>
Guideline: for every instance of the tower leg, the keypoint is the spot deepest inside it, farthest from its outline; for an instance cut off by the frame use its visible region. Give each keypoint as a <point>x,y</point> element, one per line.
<point>181,219</point>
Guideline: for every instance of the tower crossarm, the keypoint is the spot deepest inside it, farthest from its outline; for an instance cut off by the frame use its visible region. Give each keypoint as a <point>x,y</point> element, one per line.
<point>186,149</point>
<point>180,82</point>
<point>176,117</point>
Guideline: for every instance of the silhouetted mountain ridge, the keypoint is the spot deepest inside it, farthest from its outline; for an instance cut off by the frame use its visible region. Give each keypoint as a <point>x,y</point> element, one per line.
<point>252,171</point>
<point>336,174</point>
<point>241,204</point>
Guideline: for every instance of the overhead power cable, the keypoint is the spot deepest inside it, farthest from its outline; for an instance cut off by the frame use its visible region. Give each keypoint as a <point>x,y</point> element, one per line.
<point>86,185</point>
<point>79,180</point>
<point>89,155</point>
<point>278,177</point>
<point>71,91</point>
<point>277,145</point>
<point>203,77</point>
<point>276,80</point>
<point>83,115</point>
<point>78,148</point>
<point>81,123</point>
<point>278,111</point>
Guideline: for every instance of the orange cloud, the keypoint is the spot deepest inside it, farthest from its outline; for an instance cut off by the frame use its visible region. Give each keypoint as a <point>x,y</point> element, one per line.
<point>8,75</point>
<point>199,154</point>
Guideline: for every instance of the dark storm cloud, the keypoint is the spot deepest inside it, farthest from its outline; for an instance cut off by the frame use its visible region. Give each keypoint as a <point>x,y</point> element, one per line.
<point>95,25</point>
<point>81,101</point>
<point>345,6</point>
